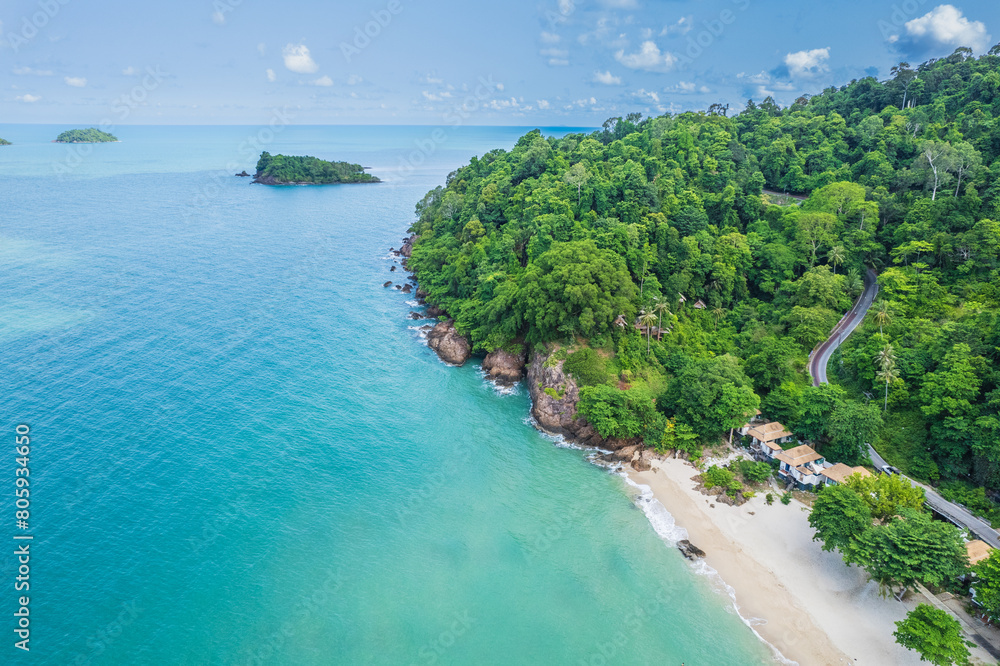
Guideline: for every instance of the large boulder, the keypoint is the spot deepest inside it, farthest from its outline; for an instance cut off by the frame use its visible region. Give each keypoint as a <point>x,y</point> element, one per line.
<point>407,248</point>
<point>434,312</point>
<point>689,550</point>
<point>641,465</point>
<point>504,367</point>
<point>449,344</point>
<point>554,395</point>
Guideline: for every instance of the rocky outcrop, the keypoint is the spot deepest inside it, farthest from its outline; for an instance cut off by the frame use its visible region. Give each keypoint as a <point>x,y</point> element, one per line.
<point>387,284</point>
<point>689,550</point>
<point>407,288</point>
<point>434,312</point>
<point>554,395</point>
<point>407,248</point>
<point>641,464</point>
<point>243,174</point>
<point>504,367</point>
<point>449,344</point>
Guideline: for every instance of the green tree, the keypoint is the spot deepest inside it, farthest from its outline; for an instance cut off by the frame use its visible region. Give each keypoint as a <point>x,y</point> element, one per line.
<point>882,315</point>
<point>617,413</point>
<point>886,360</point>
<point>935,635</point>
<point>910,549</point>
<point>817,404</point>
<point>679,436</point>
<point>577,176</point>
<point>813,231</point>
<point>839,517</point>
<point>987,585</point>
<point>712,396</point>
<point>836,257</point>
<point>647,319</point>
<point>852,426</point>
<point>575,287</point>
<point>886,494</point>
<point>947,397</point>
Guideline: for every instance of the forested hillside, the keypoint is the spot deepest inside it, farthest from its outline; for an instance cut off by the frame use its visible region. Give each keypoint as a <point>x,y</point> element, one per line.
<point>551,242</point>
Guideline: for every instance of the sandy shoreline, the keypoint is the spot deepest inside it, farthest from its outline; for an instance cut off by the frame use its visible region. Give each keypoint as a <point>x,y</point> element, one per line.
<point>805,602</point>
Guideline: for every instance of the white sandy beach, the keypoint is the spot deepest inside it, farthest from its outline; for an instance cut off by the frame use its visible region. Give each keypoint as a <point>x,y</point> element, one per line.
<point>815,609</point>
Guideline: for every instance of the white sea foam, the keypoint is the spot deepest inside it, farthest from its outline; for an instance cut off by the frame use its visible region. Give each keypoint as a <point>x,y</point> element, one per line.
<point>420,331</point>
<point>498,387</point>
<point>670,532</point>
<point>666,527</point>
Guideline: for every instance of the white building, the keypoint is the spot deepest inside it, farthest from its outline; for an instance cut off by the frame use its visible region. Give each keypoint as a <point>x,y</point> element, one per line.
<point>836,474</point>
<point>767,438</point>
<point>802,465</point>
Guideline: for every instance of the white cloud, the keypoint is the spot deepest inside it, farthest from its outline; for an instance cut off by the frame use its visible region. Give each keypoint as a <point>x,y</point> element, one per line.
<point>682,27</point>
<point>270,75</point>
<point>644,95</point>
<point>354,80</point>
<point>542,103</point>
<point>550,38</point>
<point>76,81</point>
<point>946,26</point>
<point>27,97</point>
<point>130,71</point>
<point>501,104</point>
<point>607,78</point>
<point>687,88</point>
<point>807,63</point>
<point>557,57</point>
<point>28,71</point>
<point>324,81</point>
<point>648,58</point>
<point>218,17</point>
<point>262,48</point>
<point>298,60</point>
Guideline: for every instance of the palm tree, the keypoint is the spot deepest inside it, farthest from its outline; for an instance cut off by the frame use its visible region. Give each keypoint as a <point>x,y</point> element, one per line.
<point>855,285</point>
<point>882,316</point>
<point>888,372</point>
<point>659,308</point>
<point>647,319</point>
<point>836,257</point>
<point>718,313</point>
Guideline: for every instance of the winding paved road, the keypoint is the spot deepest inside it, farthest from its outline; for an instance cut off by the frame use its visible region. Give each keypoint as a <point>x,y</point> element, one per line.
<point>818,361</point>
<point>820,356</point>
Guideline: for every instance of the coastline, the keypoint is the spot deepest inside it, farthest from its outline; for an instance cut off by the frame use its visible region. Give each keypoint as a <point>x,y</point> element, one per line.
<point>804,602</point>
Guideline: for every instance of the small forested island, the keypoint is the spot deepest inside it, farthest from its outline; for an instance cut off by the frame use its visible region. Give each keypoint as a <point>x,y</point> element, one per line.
<point>92,135</point>
<point>658,287</point>
<point>305,170</point>
<point>4,142</point>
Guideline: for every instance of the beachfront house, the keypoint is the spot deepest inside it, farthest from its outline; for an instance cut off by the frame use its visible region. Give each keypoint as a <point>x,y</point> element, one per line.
<point>802,466</point>
<point>766,439</point>
<point>837,474</point>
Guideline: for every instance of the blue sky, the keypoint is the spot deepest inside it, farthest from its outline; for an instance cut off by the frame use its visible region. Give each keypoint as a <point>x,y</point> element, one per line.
<point>515,62</point>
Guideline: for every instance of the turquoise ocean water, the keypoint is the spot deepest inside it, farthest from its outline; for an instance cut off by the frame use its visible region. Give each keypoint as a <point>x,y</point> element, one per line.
<point>243,453</point>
